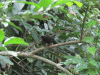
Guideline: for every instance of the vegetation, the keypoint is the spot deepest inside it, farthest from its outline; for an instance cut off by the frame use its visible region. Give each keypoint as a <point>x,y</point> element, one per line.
<point>74,25</point>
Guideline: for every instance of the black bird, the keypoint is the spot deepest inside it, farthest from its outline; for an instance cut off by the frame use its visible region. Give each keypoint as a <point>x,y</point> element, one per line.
<point>48,39</point>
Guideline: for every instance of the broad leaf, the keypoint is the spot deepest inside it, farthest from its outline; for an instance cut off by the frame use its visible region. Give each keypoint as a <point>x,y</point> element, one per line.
<point>2,35</point>
<point>6,60</point>
<point>92,50</point>
<point>14,40</point>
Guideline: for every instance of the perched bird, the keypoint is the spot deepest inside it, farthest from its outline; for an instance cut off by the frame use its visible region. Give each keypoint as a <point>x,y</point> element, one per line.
<point>48,39</point>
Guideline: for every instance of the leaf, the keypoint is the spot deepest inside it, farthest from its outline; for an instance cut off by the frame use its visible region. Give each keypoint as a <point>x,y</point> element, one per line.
<point>78,3</point>
<point>6,60</point>
<point>92,50</point>
<point>30,3</point>
<point>88,39</point>
<point>1,4</point>
<point>35,36</point>
<point>93,62</point>
<point>73,59</point>
<point>17,7</point>
<point>92,22</point>
<point>62,74</point>
<point>97,32</point>
<point>92,71</point>
<point>2,47</point>
<point>63,36</point>
<point>12,24</point>
<point>30,60</point>
<point>41,4</point>
<point>46,26</point>
<point>61,2</point>
<point>14,40</point>
<point>81,66</point>
<point>4,23</point>
<point>2,35</point>
<point>41,17</point>
<point>69,3</point>
<point>41,9</point>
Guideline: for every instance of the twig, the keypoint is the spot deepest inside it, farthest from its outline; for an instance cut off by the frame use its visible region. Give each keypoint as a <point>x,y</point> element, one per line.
<point>83,23</point>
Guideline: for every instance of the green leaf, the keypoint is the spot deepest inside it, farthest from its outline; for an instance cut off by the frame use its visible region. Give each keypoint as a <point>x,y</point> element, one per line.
<point>92,71</point>
<point>63,36</point>
<point>41,17</point>
<point>81,66</point>
<point>1,4</point>
<point>69,3</point>
<point>92,50</point>
<point>30,3</point>
<point>2,47</point>
<point>62,74</point>
<point>98,44</point>
<point>93,62</point>
<point>88,39</point>
<point>92,22</point>
<point>15,40</point>
<point>61,2</point>
<point>2,35</point>
<point>6,60</point>
<point>97,32</point>
<point>41,4</point>
<point>12,24</point>
<point>78,3</point>
<point>73,59</point>
<point>35,36</point>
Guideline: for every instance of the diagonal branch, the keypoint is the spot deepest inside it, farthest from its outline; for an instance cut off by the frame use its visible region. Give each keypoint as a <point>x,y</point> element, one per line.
<point>47,61</point>
<point>39,58</point>
<point>55,45</point>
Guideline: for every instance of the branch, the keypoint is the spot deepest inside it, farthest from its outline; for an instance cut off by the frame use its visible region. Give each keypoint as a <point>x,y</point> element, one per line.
<point>30,55</point>
<point>55,45</point>
<point>39,58</point>
<point>83,23</point>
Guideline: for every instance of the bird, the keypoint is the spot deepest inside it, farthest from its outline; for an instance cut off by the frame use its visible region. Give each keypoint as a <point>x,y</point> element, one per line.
<point>48,39</point>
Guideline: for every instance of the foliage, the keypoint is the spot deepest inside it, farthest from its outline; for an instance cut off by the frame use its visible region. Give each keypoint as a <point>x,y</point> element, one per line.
<point>65,20</point>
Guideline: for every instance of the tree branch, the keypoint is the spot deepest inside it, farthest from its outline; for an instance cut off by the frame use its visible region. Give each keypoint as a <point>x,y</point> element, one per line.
<point>39,58</point>
<point>31,55</point>
<point>83,23</point>
<point>55,45</point>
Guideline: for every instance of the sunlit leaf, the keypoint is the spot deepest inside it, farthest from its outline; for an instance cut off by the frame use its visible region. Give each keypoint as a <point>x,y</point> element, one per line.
<point>69,3</point>
<point>14,40</point>
<point>92,50</point>
<point>1,4</point>
<point>2,47</point>
<point>41,4</point>
<point>78,3</point>
<point>2,35</point>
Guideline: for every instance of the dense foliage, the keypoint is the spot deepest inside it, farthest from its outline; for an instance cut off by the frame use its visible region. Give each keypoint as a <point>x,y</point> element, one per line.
<point>74,25</point>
